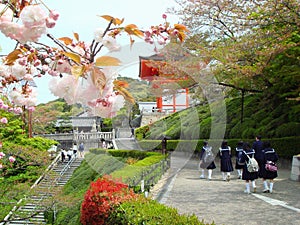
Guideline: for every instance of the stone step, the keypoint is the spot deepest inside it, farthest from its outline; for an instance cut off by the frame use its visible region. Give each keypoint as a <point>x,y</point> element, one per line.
<point>44,190</point>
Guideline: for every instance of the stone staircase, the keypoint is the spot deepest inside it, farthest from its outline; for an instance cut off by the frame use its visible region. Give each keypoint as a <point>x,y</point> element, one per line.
<point>125,141</point>
<point>31,210</point>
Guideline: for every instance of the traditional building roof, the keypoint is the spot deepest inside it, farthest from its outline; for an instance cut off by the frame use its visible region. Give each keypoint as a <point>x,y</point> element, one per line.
<point>80,122</point>
<point>85,121</point>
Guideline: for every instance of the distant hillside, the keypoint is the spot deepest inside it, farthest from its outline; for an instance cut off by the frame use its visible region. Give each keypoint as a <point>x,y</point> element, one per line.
<point>139,89</point>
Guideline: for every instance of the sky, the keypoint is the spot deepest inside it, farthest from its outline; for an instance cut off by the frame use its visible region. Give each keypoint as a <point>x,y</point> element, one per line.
<point>84,19</point>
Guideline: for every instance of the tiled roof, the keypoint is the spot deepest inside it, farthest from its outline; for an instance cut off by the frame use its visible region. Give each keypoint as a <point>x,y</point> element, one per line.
<point>81,121</point>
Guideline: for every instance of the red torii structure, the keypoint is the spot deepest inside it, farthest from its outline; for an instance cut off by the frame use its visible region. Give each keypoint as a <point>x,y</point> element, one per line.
<point>150,70</point>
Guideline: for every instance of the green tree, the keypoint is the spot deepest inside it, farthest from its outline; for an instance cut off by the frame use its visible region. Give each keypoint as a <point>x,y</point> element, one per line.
<point>241,39</point>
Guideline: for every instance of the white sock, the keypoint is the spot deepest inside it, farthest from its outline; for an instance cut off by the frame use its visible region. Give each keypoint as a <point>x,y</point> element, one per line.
<point>209,173</point>
<point>253,184</point>
<point>223,175</point>
<point>248,187</point>
<point>239,172</point>
<point>228,174</point>
<point>202,173</point>
<point>266,184</point>
<point>271,186</point>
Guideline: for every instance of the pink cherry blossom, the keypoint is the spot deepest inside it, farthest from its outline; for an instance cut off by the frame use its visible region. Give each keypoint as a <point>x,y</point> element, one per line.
<point>98,35</point>
<point>50,23</point>
<point>33,16</point>
<point>45,68</point>
<point>32,35</point>
<point>18,110</point>
<point>54,15</point>
<point>161,41</point>
<point>6,15</point>
<point>28,77</point>
<point>1,155</point>
<point>31,108</point>
<point>11,159</point>
<point>18,70</point>
<point>11,30</point>
<point>107,107</point>
<point>30,99</point>
<point>4,106</point>
<point>1,166</point>
<point>111,44</point>
<point>87,91</point>
<point>63,66</point>
<point>65,87</point>
<point>3,120</point>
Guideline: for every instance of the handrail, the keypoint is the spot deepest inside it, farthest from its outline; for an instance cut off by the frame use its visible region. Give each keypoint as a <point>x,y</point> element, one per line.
<point>55,182</point>
<point>51,185</point>
<point>48,168</point>
<point>6,218</point>
<point>66,167</point>
<point>164,164</point>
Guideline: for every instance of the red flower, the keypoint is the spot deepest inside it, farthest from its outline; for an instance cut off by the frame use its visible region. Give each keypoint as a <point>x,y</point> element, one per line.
<point>101,198</point>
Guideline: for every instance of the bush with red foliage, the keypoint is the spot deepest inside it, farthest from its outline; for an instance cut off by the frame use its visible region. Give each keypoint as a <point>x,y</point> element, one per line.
<point>103,196</point>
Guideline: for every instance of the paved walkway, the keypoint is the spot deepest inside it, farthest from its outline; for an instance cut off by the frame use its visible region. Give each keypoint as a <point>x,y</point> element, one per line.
<point>225,202</point>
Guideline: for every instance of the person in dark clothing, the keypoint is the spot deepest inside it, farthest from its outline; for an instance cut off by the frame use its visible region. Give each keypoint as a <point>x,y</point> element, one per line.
<point>269,155</point>
<point>81,149</point>
<point>226,163</point>
<point>63,155</point>
<point>164,145</point>
<point>238,154</point>
<point>206,165</point>
<point>132,132</point>
<point>259,155</point>
<point>246,175</point>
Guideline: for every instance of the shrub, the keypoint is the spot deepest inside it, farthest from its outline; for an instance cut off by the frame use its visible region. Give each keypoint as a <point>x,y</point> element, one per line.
<point>101,198</point>
<point>150,212</point>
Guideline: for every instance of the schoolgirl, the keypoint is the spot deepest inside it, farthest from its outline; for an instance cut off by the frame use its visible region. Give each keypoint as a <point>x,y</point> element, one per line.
<point>209,166</point>
<point>246,175</point>
<point>238,154</point>
<point>226,163</point>
<point>270,156</point>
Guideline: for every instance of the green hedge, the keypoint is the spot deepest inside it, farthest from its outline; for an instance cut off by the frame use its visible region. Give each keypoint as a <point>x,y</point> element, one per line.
<point>136,154</point>
<point>150,212</point>
<point>132,174</point>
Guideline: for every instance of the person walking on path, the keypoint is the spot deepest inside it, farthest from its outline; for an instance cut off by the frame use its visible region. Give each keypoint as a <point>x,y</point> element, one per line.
<point>270,157</point>
<point>206,161</point>
<point>164,145</point>
<point>246,175</point>
<point>238,154</point>
<point>259,155</point>
<point>63,155</point>
<point>69,154</point>
<point>103,143</point>
<point>75,149</point>
<point>132,132</point>
<point>226,163</point>
<point>81,150</point>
